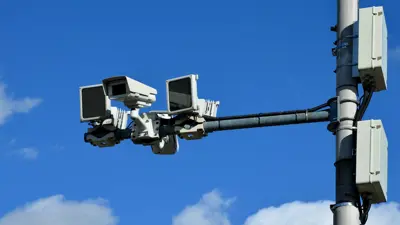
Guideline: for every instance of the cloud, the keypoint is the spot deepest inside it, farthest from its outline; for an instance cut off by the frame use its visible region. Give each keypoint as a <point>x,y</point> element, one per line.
<point>210,210</point>
<point>9,105</point>
<point>28,153</point>
<point>299,213</point>
<point>56,210</point>
<point>213,211</point>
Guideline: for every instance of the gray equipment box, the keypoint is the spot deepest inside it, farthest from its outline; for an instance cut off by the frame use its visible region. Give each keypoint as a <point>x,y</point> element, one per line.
<point>372,47</point>
<point>372,160</point>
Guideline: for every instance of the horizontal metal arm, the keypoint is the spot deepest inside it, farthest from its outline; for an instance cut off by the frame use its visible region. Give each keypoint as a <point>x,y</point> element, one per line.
<point>257,121</point>
<point>266,121</point>
<point>242,123</point>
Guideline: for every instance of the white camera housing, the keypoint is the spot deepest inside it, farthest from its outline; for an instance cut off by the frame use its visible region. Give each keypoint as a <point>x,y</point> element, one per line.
<point>182,98</point>
<point>94,105</point>
<point>187,95</point>
<point>132,93</point>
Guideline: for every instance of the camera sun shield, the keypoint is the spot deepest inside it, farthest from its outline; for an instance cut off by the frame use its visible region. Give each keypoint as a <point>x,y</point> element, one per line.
<point>182,94</point>
<point>94,105</point>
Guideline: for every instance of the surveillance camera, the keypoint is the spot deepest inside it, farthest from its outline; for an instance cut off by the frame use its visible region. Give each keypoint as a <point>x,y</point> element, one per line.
<point>182,98</point>
<point>94,105</point>
<point>182,94</point>
<point>129,91</point>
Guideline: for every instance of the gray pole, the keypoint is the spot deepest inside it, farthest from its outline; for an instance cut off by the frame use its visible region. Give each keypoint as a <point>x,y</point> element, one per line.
<point>252,122</point>
<point>345,211</point>
<point>266,121</point>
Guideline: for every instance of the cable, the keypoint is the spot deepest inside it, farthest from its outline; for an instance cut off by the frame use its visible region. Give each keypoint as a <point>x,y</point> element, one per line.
<point>360,207</point>
<point>362,98</point>
<point>366,99</point>
<point>270,113</point>
<point>366,207</point>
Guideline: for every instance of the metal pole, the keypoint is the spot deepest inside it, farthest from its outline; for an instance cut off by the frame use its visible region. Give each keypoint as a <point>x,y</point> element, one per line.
<point>266,121</point>
<point>345,211</point>
<point>256,121</point>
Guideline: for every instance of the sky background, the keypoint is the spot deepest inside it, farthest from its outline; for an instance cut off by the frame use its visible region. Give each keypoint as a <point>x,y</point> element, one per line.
<point>253,56</point>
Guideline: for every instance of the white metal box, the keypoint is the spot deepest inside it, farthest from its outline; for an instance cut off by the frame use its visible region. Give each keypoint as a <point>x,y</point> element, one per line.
<point>372,47</point>
<point>94,105</point>
<point>372,160</point>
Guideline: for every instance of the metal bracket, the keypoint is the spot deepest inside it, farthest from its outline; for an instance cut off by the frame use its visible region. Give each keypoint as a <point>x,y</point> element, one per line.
<point>102,136</point>
<point>145,129</point>
<point>338,205</point>
<point>334,115</point>
<point>340,44</point>
<point>193,128</point>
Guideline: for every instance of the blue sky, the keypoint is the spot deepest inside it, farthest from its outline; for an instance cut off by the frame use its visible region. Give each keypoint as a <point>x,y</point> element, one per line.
<point>253,56</point>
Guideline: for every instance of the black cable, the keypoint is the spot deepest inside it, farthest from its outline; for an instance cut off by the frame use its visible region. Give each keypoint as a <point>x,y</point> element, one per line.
<point>366,207</point>
<point>270,113</point>
<point>359,207</point>
<point>362,98</point>
<point>358,113</point>
<point>367,101</point>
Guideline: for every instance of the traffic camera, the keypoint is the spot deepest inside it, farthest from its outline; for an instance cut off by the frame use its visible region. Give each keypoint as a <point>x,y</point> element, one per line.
<point>106,121</point>
<point>94,105</point>
<point>182,98</point>
<point>132,93</point>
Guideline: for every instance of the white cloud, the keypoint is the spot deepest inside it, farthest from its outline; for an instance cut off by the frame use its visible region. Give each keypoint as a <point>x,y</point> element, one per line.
<point>210,210</point>
<point>213,211</point>
<point>29,153</point>
<point>298,213</point>
<point>56,210</point>
<point>9,105</point>
<point>318,213</point>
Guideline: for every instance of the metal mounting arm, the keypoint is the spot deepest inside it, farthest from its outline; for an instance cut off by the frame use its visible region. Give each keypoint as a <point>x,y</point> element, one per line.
<point>193,128</point>
<point>266,121</point>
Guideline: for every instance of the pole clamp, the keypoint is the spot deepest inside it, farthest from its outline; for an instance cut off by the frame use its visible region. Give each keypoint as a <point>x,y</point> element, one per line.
<point>334,116</point>
<point>338,205</point>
